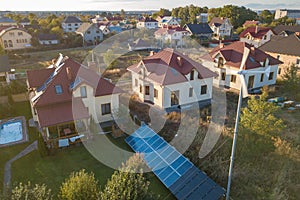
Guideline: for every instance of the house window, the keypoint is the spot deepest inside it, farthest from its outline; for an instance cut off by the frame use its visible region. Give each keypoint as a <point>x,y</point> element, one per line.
<point>69,24</point>
<point>191,92</point>
<point>10,44</point>
<point>70,29</point>
<point>11,34</point>
<point>155,93</point>
<point>141,89</point>
<point>233,78</point>
<point>278,56</point>
<point>271,76</point>
<point>136,82</point>
<point>192,75</point>
<point>88,32</point>
<point>203,89</point>
<point>20,33</point>
<point>105,109</point>
<point>279,70</point>
<point>298,61</point>
<point>262,76</point>
<point>58,89</point>
<point>97,31</point>
<point>265,37</point>
<point>83,91</point>
<point>76,24</point>
<point>5,44</point>
<point>223,76</point>
<point>220,62</point>
<point>147,90</point>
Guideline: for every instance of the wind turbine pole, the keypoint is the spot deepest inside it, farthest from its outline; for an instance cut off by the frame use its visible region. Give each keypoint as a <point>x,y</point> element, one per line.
<point>235,134</point>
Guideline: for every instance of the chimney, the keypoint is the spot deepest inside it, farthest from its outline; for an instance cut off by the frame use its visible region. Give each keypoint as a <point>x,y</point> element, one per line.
<point>221,45</point>
<point>256,29</point>
<point>297,34</point>
<point>69,73</point>
<point>152,53</point>
<point>179,61</point>
<point>252,50</point>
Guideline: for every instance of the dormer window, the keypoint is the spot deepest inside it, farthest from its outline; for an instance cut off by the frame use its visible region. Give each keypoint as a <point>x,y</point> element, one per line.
<point>192,75</point>
<point>220,62</point>
<point>83,91</point>
<point>58,89</point>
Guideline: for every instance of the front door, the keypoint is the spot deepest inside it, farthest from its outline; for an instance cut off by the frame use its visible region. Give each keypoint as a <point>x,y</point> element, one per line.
<point>251,82</point>
<point>174,98</point>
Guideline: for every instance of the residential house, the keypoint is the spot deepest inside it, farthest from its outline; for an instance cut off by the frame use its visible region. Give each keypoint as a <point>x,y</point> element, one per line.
<point>298,21</point>
<point>114,19</point>
<point>147,22</point>
<point>71,24</point>
<point>201,30</point>
<point>286,48</point>
<point>168,21</point>
<point>48,39</point>
<point>25,22</point>
<point>226,62</point>
<point>5,21</point>
<point>172,35</point>
<point>66,96</point>
<point>13,38</point>
<point>250,23</point>
<point>169,79</point>
<point>105,30</point>
<point>221,27</point>
<point>6,73</point>
<point>139,44</point>
<point>279,13</point>
<point>256,35</point>
<point>202,18</point>
<point>90,33</point>
<point>285,30</point>
<point>97,19</point>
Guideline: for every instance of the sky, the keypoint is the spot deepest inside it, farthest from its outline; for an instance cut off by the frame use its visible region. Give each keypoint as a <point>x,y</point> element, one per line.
<point>116,5</point>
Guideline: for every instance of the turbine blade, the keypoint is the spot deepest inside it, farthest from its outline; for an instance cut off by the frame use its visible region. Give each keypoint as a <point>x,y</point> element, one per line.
<point>245,56</point>
<point>244,86</point>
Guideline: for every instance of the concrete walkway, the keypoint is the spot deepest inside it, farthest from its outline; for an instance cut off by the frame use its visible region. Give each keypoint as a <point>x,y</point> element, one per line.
<point>7,169</point>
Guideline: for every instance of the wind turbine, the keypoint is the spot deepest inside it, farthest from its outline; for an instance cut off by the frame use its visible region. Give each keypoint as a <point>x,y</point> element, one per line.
<point>243,94</point>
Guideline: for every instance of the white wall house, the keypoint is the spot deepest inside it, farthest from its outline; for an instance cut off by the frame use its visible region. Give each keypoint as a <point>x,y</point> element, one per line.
<point>147,23</point>
<point>170,79</point>
<point>90,33</point>
<point>221,26</point>
<point>226,61</point>
<point>168,21</point>
<point>48,39</point>
<point>71,24</point>
<point>256,36</point>
<point>174,36</point>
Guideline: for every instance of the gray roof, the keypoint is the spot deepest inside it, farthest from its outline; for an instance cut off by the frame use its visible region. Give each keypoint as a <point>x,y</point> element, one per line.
<point>4,63</point>
<point>72,19</point>
<point>48,36</point>
<point>202,28</point>
<point>289,45</point>
<point>84,27</point>
<point>6,20</point>
<point>278,29</point>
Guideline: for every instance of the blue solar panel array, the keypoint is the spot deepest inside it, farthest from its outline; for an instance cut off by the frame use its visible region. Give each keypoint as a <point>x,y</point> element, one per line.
<point>175,171</point>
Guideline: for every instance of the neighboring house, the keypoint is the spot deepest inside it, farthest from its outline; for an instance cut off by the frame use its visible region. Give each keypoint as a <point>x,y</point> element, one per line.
<point>139,44</point>
<point>174,36</point>
<point>287,13</point>
<point>6,74</point>
<point>105,30</point>
<point>168,21</point>
<point>199,30</point>
<point>48,39</point>
<point>114,19</point>
<point>90,33</point>
<point>226,62</point>
<point>286,49</point>
<point>13,38</point>
<point>221,26</point>
<point>169,79</point>
<point>5,21</point>
<point>25,22</point>
<point>250,23</point>
<point>65,97</point>
<point>126,25</point>
<point>285,30</point>
<point>97,19</point>
<point>71,24</point>
<point>202,18</point>
<point>147,23</point>
<point>256,35</point>
<point>115,28</point>
<point>298,21</point>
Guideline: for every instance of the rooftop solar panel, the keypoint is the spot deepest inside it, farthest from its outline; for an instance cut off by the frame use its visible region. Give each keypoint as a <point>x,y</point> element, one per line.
<point>175,171</point>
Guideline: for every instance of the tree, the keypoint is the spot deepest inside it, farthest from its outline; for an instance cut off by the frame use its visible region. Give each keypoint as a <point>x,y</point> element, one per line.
<point>123,14</point>
<point>259,117</point>
<point>127,184</point>
<point>30,192</point>
<point>291,81</point>
<point>80,186</point>
<point>266,16</point>
<point>162,12</point>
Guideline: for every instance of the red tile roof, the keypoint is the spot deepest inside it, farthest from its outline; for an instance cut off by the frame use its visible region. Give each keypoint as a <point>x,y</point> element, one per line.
<point>147,19</point>
<point>62,113</point>
<point>36,78</point>
<point>250,23</point>
<point>5,27</point>
<point>233,54</point>
<point>256,32</point>
<point>165,68</point>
